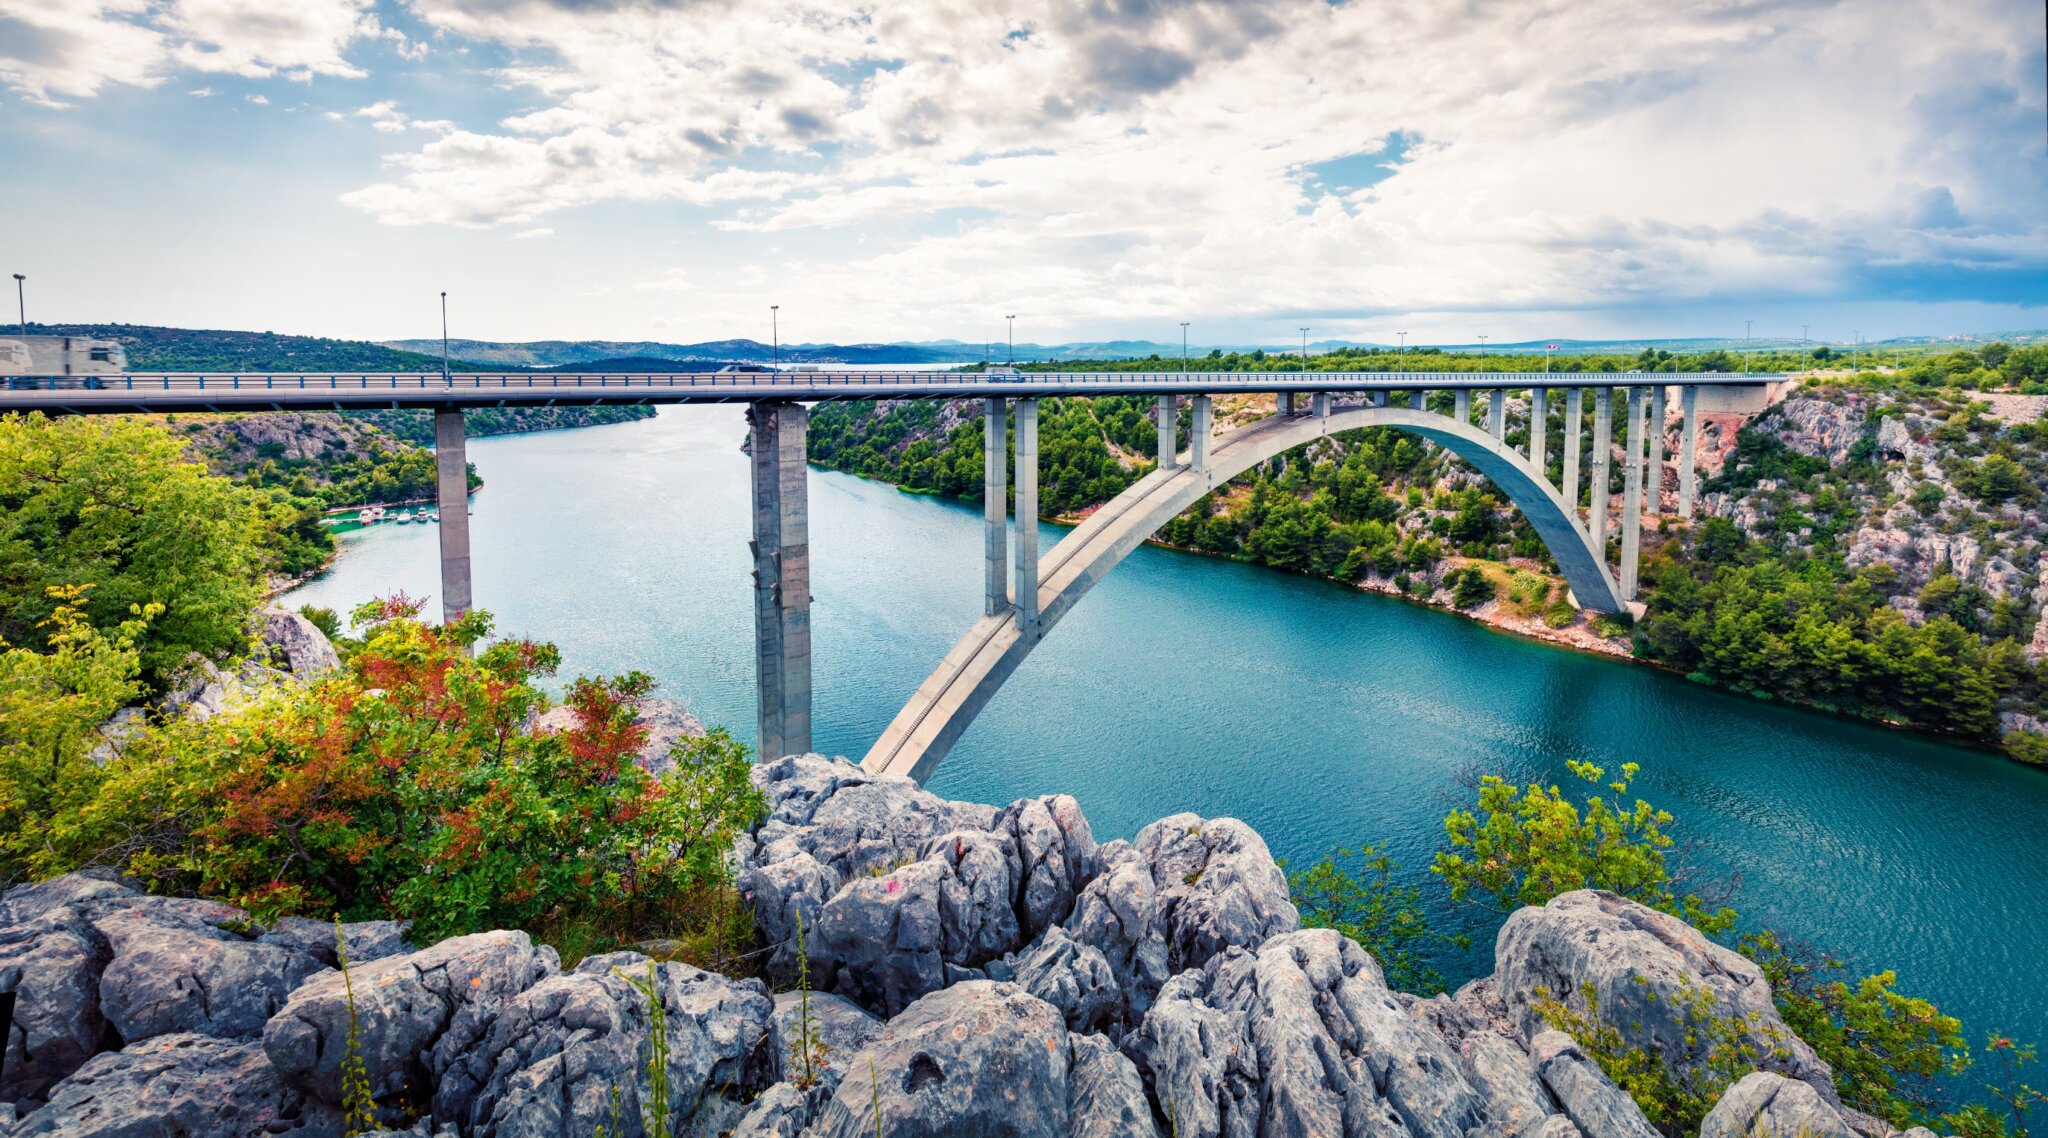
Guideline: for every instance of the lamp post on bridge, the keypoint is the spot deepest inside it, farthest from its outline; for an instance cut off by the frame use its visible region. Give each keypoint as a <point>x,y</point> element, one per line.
<point>1013,338</point>
<point>1482,350</point>
<point>1304,349</point>
<point>1805,351</point>
<point>775,336</point>
<point>21,298</point>
<point>1401,353</point>
<point>445,381</point>
<point>1746,326</point>
<point>1183,345</point>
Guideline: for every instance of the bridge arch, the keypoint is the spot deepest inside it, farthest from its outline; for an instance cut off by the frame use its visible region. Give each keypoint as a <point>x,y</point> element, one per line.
<point>947,702</point>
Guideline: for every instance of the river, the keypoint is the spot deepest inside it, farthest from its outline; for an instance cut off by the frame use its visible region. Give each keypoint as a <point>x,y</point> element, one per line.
<point>1319,714</point>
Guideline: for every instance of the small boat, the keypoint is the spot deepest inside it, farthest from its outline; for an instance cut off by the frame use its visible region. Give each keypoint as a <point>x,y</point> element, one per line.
<point>371,515</point>
<point>403,518</point>
<point>435,517</point>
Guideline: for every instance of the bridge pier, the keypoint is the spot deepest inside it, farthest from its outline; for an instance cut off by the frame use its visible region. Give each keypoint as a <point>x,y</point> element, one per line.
<point>995,449</point>
<point>1027,517</point>
<point>1688,444</point>
<point>1497,413</point>
<point>1574,425</point>
<point>1285,403</point>
<point>1169,432</point>
<point>451,498</point>
<point>1198,436</point>
<point>1539,426</point>
<point>1319,405</point>
<point>1653,478</point>
<point>782,578</point>
<point>1632,493</point>
<point>1461,405</point>
<point>1599,499</point>
<point>1419,399</point>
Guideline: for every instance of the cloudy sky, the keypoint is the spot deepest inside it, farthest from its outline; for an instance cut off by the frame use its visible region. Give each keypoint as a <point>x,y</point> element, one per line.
<point>915,169</point>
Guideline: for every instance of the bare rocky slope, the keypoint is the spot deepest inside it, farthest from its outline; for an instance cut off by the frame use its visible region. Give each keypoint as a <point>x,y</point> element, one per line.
<point>977,971</point>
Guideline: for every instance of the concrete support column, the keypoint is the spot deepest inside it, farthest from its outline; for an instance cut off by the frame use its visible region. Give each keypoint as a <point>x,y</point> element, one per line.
<point>1461,405</point>
<point>1632,492</point>
<point>1378,398</point>
<point>1497,413</point>
<point>1653,478</point>
<point>1598,500</point>
<point>1027,516</point>
<point>1319,405</point>
<point>1198,436</point>
<point>1688,447</point>
<point>1420,400</point>
<point>1285,402</point>
<point>995,446</point>
<point>1539,426</point>
<point>451,497</point>
<point>1574,422</point>
<point>1169,432</point>
<point>782,578</point>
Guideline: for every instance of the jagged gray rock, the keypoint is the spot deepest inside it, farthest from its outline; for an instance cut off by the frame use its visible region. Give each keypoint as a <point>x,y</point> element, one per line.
<point>168,975</point>
<point>416,1013</point>
<point>1185,889</point>
<point>294,644</point>
<point>782,1111</point>
<point>843,1026</point>
<point>1073,977</point>
<point>902,892</point>
<point>554,1053</point>
<point>1766,1105</point>
<point>1647,969</point>
<point>1590,1099</point>
<point>1105,1096</point>
<point>981,1057</point>
<point>180,1084</point>
<point>52,964</point>
<point>1300,1037</point>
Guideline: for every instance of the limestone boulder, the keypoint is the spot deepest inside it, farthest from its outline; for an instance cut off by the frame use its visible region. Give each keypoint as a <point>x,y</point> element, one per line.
<point>52,964</point>
<point>1652,975</point>
<point>981,1057</point>
<point>1590,1099</point>
<point>170,975</point>
<point>841,1026</point>
<point>1185,889</point>
<point>549,1061</point>
<point>1299,1037</point>
<point>291,643</point>
<point>416,1013</point>
<point>1105,1096</point>
<point>180,1084</point>
<point>1073,977</point>
<point>1764,1105</point>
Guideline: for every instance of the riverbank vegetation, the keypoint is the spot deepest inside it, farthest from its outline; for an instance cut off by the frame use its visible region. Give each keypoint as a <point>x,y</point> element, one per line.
<point>1894,1056</point>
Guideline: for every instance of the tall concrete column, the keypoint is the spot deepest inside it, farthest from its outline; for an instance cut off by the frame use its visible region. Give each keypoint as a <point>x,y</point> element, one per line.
<point>1632,492</point>
<point>1169,433</point>
<point>451,496</point>
<point>1688,447</point>
<point>1461,405</point>
<point>1598,499</point>
<point>995,447</point>
<point>1198,435</point>
<point>1027,516</point>
<point>1419,399</point>
<point>782,578</point>
<point>1574,423</point>
<point>1319,405</point>
<point>1539,426</point>
<point>1285,403</point>
<point>1653,478</point>
<point>1497,413</point>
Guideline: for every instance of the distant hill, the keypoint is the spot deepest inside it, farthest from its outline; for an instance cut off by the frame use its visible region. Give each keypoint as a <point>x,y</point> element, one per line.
<point>215,350</point>
<point>563,353</point>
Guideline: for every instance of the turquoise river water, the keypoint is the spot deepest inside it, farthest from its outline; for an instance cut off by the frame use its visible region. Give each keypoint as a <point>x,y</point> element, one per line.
<point>1316,713</point>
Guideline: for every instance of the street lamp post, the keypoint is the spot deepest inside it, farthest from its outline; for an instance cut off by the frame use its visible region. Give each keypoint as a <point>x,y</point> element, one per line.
<point>1746,350</point>
<point>21,298</point>
<point>1183,345</point>
<point>1482,347</point>
<point>1805,348</point>
<point>1013,338</point>
<point>775,335</point>
<point>1304,349</point>
<point>444,337</point>
<point>1401,353</point>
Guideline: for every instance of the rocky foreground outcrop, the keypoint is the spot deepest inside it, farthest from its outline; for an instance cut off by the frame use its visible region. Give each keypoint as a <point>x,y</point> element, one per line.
<point>979,971</point>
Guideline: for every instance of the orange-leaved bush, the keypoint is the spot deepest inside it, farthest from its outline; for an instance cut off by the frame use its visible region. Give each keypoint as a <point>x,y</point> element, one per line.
<point>415,783</point>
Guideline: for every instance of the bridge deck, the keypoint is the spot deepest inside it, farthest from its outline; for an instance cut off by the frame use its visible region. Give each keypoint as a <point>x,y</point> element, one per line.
<point>161,391</point>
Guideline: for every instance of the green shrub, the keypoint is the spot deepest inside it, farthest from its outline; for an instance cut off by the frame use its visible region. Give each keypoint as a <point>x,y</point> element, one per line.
<point>1469,587</point>
<point>1356,895</point>
<point>411,784</point>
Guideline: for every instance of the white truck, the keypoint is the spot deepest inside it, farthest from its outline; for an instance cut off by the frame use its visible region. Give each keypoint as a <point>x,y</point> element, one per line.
<point>81,359</point>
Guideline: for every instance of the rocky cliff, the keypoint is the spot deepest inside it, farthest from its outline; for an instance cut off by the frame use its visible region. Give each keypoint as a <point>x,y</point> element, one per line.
<point>978,971</point>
